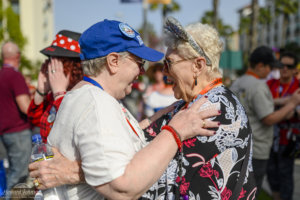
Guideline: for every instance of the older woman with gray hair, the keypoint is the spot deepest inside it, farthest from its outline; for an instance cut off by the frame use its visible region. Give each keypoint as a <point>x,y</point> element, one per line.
<point>213,167</point>
<point>95,129</point>
<point>204,167</point>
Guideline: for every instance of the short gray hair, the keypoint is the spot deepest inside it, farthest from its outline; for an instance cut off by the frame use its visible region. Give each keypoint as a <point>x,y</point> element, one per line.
<point>94,67</point>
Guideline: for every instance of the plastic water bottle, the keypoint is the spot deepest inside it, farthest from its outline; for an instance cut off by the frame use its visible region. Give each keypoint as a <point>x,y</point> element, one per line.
<point>41,151</point>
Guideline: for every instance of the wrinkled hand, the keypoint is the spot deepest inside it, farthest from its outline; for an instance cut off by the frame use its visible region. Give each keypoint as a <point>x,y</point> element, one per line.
<point>189,122</point>
<point>57,79</point>
<point>55,172</point>
<point>43,82</point>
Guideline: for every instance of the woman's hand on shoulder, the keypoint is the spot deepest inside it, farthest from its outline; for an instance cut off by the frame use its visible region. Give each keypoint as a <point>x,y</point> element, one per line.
<point>193,121</point>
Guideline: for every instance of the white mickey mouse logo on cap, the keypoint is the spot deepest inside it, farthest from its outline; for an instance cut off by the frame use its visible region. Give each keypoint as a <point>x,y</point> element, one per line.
<point>126,30</point>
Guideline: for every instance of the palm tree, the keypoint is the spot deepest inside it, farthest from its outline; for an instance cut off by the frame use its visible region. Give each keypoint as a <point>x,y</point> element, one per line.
<point>264,19</point>
<point>215,13</point>
<point>254,21</point>
<point>285,8</point>
<point>166,8</point>
<point>223,29</point>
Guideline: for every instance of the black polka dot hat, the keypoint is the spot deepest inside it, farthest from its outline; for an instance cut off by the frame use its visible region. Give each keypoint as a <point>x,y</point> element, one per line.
<point>65,44</point>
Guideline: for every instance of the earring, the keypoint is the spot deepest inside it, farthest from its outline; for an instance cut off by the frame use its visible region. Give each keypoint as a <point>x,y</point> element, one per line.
<point>196,81</point>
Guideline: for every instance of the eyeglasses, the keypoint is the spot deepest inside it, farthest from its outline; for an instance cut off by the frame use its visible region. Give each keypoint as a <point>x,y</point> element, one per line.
<point>168,63</point>
<point>140,63</point>
<point>288,66</point>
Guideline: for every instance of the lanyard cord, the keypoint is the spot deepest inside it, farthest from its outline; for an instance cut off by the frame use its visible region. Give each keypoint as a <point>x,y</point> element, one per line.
<point>92,81</point>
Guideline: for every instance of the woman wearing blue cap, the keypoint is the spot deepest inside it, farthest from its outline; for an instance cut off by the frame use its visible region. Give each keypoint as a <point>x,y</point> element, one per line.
<point>93,127</point>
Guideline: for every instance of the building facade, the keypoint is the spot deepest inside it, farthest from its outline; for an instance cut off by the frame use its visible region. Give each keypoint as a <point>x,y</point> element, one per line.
<point>36,23</point>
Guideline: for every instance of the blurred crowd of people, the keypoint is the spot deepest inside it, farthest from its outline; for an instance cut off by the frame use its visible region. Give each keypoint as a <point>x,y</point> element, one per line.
<point>268,91</point>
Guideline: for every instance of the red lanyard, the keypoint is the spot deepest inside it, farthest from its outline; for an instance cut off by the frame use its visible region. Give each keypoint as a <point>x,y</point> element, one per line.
<point>285,89</point>
<point>211,85</point>
<point>252,74</point>
<point>126,114</point>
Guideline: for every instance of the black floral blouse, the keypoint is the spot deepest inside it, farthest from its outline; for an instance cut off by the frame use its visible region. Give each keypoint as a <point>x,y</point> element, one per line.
<point>210,166</point>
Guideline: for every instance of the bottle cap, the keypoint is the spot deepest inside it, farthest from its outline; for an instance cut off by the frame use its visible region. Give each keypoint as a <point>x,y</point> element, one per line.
<point>36,138</point>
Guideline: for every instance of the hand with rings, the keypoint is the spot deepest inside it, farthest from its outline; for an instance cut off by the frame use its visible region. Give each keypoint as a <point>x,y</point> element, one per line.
<point>36,183</point>
<point>203,123</point>
<point>58,80</point>
<point>55,172</point>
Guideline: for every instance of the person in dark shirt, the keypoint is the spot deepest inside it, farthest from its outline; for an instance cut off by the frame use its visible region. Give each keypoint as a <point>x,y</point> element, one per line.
<point>15,130</point>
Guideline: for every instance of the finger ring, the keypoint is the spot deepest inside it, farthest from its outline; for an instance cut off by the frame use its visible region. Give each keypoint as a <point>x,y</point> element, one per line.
<point>36,182</point>
<point>203,124</point>
<point>53,71</point>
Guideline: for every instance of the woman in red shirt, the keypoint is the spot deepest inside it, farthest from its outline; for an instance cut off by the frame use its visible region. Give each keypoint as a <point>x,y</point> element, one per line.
<point>59,73</point>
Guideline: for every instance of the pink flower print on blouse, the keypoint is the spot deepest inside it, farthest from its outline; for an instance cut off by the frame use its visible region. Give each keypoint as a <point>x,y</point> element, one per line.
<point>226,194</point>
<point>206,170</point>
<point>190,142</point>
<point>216,173</point>
<point>184,186</point>
<point>242,194</point>
<point>151,131</point>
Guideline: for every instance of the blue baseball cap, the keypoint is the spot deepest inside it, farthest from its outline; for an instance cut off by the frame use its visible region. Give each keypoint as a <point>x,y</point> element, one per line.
<point>110,36</point>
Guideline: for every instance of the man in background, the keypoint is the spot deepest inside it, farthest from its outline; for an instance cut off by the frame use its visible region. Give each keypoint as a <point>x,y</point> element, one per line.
<point>257,99</point>
<point>14,129</point>
<point>280,168</point>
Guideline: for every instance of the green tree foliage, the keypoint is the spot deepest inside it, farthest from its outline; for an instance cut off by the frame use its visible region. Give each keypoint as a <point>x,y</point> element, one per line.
<point>153,39</point>
<point>264,16</point>
<point>285,8</point>
<point>15,35</point>
<point>13,28</point>
<point>224,29</point>
<point>244,26</point>
<point>166,8</point>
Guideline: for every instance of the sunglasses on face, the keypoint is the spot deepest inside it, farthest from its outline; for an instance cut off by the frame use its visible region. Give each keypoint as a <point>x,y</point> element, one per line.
<point>288,66</point>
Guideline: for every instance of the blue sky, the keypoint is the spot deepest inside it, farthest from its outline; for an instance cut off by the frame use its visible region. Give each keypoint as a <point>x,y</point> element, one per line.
<point>78,15</point>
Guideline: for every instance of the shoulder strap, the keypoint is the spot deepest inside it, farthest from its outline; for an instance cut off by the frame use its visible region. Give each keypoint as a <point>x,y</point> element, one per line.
<point>238,187</point>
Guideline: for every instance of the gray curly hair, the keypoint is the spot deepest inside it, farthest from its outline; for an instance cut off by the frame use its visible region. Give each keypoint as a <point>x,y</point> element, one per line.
<point>207,38</point>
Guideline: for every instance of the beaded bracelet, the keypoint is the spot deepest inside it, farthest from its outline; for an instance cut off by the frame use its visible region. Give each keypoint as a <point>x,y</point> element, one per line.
<point>175,135</point>
<point>40,93</point>
<point>56,94</point>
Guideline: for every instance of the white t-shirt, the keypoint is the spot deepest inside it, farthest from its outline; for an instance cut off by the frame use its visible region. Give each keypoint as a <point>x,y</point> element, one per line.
<point>156,101</point>
<point>91,126</point>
